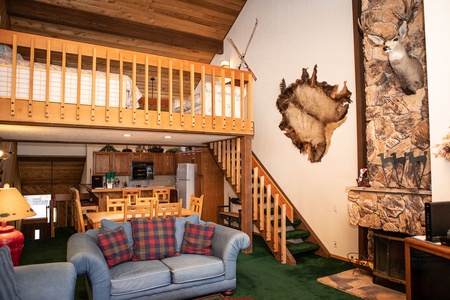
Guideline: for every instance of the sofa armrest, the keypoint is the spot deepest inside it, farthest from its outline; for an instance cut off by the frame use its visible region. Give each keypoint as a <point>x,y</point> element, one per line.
<point>226,245</point>
<point>46,281</point>
<point>86,256</point>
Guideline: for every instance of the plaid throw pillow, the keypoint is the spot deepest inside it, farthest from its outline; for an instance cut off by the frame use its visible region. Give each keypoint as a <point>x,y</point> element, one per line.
<point>197,239</point>
<point>153,239</point>
<point>115,246</point>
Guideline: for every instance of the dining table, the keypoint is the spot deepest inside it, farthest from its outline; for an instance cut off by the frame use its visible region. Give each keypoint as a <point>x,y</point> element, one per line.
<point>94,218</point>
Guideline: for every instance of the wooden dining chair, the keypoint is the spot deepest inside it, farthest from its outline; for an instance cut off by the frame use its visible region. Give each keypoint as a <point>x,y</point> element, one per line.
<point>117,204</point>
<point>80,220</point>
<point>164,210</point>
<point>139,211</point>
<point>163,194</point>
<point>145,207</point>
<point>196,205</point>
<point>133,193</point>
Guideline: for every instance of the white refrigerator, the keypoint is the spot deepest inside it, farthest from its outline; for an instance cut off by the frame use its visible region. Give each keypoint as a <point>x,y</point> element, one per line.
<point>186,182</point>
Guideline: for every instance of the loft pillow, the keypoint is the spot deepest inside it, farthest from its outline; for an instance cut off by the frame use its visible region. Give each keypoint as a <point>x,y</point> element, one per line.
<point>115,246</point>
<point>153,239</point>
<point>197,239</point>
<point>8,288</point>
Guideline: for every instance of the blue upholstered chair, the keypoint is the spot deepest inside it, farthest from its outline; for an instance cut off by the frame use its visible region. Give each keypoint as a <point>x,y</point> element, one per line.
<point>41,281</point>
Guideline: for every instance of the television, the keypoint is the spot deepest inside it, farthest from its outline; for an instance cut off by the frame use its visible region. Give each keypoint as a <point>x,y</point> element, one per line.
<point>437,220</point>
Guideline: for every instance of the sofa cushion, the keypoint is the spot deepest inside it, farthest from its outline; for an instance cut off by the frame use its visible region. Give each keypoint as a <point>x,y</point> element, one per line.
<point>197,239</point>
<point>153,239</point>
<point>180,225</point>
<point>132,277</point>
<point>115,246</point>
<point>108,225</point>
<point>193,267</point>
<point>8,287</point>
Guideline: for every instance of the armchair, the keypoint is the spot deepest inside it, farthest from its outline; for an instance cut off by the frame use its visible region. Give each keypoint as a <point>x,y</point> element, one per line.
<point>50,281</point>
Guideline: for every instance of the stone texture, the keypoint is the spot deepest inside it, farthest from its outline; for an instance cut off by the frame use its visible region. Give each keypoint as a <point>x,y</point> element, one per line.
<point>399,210</point>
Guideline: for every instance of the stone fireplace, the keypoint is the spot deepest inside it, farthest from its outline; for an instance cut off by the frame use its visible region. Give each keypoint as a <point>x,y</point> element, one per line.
<point>396,135</point>
<point>387,215</point>
<point>388,209</point>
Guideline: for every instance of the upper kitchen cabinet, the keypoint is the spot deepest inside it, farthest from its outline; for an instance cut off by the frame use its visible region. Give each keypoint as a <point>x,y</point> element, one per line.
<point>118,162</point>
<point>164,163</point>
<point>102,163</point>
<point>121,163</point>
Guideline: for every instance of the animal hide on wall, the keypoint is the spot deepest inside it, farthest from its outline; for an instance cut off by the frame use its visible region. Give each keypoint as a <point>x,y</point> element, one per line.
<point>311,110</point>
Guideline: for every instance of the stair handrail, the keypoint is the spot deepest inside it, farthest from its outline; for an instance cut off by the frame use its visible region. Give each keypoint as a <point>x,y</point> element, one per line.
<point>282,199</point>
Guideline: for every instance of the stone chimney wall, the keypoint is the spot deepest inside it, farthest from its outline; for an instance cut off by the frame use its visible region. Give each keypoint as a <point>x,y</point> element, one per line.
<point>397,131</point>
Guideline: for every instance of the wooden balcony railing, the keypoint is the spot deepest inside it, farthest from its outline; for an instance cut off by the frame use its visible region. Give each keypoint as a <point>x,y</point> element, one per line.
<point>66,83</point>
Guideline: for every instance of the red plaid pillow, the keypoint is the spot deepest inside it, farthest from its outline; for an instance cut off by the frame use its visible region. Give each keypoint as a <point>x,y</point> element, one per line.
<point>153,239</point>
<point>115,246</point>
<point>197,239</point>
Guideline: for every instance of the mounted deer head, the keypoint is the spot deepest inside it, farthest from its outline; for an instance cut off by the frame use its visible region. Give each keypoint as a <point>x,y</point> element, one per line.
<point>408,69</point>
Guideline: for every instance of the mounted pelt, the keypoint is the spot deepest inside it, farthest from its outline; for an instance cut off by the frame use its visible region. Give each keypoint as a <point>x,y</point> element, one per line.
<point>307,106</point>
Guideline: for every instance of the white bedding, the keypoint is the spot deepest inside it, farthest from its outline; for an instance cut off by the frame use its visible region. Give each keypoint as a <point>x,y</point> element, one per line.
<point>39,84</point>
<point>208,101</point>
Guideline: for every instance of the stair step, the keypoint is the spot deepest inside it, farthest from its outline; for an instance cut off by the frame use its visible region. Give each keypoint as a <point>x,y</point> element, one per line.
<point>297,234</point>
<point>296,222</point>
<point>302,247</point>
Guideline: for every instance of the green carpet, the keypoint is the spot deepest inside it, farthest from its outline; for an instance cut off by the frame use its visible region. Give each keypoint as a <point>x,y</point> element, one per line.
<point>259,275</point>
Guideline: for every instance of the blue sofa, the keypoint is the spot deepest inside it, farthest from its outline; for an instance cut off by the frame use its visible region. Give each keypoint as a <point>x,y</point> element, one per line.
<point>51,281</point>
<point>179,277</point>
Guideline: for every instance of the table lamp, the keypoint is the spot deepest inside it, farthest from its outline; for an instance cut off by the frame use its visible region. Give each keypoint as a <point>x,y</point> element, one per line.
<point>13,206</point>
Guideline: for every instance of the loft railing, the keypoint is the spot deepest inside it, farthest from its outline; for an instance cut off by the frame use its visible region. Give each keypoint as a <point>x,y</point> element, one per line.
<point>147,88</point>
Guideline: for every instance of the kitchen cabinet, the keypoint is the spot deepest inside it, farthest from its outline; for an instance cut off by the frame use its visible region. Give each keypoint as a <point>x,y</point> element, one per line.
<point>118,162</point>
<point>164,163</point>
<point>121,163</point>
<point>102,163</point>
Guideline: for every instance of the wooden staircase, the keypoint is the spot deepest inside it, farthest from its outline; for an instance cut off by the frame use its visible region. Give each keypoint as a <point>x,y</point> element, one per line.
<point>279,223</point>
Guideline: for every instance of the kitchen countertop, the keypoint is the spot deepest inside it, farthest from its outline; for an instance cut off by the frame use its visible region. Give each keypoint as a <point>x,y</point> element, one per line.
<point>105,190</point>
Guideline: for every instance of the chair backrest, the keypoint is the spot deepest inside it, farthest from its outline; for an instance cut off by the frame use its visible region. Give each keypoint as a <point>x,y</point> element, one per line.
<point>77,211</point>
<point>168,209</point>
<point>196,205</point>
<point>162,194</point>
<point>139,211</point>
<point>133,193</point>
<point>117,204</point>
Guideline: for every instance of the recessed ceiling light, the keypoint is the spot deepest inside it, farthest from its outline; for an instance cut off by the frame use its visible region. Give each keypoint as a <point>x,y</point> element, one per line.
<point>126,134</point>
<point>168,137</point>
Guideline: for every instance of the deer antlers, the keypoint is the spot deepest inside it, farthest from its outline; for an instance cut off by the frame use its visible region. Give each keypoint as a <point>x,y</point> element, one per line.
<point>407,69</point>
<point>409,11</point>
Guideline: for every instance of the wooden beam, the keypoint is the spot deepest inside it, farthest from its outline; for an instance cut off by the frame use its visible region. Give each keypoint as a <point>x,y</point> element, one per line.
<point>246,189</point>
<point>44,12</point>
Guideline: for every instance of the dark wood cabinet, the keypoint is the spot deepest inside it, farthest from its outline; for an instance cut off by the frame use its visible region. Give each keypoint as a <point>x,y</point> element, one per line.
<point>102,163</point>
<point>427,270</point>
<point>120,162</point>
<point>164,163</point>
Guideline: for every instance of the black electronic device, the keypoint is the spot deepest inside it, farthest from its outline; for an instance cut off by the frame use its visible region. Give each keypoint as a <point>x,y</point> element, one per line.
<point>437,220</point>
<point>445,240</point>
<point>97,182</point>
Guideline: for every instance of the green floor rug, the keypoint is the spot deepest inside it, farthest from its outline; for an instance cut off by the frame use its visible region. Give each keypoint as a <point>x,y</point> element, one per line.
<point>259,275</point>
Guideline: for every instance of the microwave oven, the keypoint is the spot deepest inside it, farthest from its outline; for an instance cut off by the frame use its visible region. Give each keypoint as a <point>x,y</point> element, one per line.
<point>142,170</point>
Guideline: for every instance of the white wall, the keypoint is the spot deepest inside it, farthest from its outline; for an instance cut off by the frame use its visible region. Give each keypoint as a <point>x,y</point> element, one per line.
<point>292,35</point>
<point>437,24</point>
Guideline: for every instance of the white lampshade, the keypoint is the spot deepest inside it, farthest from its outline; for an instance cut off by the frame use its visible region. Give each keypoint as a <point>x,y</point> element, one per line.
<point>13,205</point>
